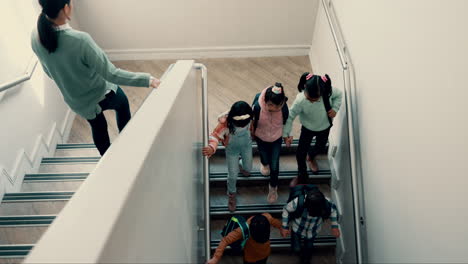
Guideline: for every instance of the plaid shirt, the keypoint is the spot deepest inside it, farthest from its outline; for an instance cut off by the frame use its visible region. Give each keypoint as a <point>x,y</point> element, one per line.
<point>307,226</point>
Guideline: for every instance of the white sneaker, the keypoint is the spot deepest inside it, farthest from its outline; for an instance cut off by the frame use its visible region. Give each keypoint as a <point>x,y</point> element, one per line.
<point>265,170</point>
<point>272,194</point>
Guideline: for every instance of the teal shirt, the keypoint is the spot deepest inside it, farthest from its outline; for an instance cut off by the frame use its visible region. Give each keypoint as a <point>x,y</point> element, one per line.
<point>82,71</point>
<point>313,116</point>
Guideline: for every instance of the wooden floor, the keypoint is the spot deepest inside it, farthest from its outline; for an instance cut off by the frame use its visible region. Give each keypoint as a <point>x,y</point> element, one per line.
<point>229,80</point>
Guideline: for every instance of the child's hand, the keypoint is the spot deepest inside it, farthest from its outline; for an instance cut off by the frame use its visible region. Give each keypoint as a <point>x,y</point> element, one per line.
<point>335,232</point>
<point>155,83</point>
<point>207,151</point>
<point>212,261</point>
<point>331,113</point>
<point>284,232</point>
<point>288,141</point>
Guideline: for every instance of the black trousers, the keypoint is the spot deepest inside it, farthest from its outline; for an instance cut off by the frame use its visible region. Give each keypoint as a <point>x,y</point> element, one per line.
<point>116,101</point>
<point>304,148</point>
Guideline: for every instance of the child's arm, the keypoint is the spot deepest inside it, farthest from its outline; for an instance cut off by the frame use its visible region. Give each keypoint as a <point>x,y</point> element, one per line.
<point>296,108</point>
<point>336,99</point>
<point>227,240</point>
<point>334,220</point>
<point>277,224</point>
<point>216,136</point>
<point>287,209</point>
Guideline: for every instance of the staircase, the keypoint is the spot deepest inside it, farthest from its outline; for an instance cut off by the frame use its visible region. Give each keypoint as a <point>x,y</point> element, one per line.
<point>26,215</point>
<point>251,200</point>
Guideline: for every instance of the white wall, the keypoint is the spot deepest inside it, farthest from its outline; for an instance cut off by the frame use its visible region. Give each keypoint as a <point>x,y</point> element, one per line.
<point>142,203</point>
<point>33,116</point>
<point>410,62</point>
<point>179,28</point>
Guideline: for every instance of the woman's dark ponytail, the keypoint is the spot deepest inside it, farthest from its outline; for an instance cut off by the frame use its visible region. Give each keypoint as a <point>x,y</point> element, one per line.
<point>47,33</point>
<point>45,27</point>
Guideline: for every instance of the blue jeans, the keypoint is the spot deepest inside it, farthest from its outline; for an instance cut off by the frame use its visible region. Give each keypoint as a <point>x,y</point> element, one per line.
<point>304,252</point>
<point>118,102</point>
<point>269,156</point>
<point>240,144</point>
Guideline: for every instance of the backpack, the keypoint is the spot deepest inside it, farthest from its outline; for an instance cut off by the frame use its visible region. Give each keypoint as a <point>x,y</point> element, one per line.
<point>233,223</point>
<point>326,102</point>
<point>257,109</point>
<point>300,191</point>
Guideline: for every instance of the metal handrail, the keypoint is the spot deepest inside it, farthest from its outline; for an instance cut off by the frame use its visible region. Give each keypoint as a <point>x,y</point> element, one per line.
<point>353,131</point>
<point>23,78</point>
<point>206,167</point>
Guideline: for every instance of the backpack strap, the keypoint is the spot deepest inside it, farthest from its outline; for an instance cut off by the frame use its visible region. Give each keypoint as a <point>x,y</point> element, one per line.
<point>326,101</point>
<point>256,111</point>
<point>285,111</point>
<point>240,220</point>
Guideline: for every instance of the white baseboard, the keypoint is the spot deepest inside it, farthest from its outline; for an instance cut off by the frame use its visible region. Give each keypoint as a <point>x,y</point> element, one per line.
<point>45,146</point>
<point>209,52</point>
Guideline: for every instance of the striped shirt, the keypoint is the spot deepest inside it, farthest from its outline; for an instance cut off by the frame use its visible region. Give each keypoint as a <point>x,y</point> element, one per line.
<point>307,226</point>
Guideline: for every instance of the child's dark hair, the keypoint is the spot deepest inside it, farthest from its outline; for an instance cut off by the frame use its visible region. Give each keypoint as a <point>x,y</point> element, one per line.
<point>317,204</point>
<point>275,94</point>
<point>238,109</point>
<point>47,33</point>
<point>260,229</point>
<point>313,85</point>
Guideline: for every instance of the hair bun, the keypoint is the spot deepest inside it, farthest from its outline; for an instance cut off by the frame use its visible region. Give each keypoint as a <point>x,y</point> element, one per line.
<point>278,84</point>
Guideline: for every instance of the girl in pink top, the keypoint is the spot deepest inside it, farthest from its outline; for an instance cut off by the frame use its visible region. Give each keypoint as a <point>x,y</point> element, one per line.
<point>270,114</point>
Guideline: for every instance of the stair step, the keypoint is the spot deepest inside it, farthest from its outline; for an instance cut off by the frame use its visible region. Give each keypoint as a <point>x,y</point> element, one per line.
<point>320,241</point>
<point>21,234</point>
<point>55,177</point>
<point>61,160</point>
<point>287,163</point>
<point>32,207</point>
<point>42,186</point>
<point>67,167</point>
<point>36,196</point>
<point>250,209</point>
<point>26,220</point>
<point>322,255</point>
<point>322,176</point>
<point>14,252</point>
<point>255,194</point>
<point>76,146</point>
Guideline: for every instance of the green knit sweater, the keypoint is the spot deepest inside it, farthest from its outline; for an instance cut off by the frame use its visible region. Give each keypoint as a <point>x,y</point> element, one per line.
<point>313,116</point>
<point>82,71</point>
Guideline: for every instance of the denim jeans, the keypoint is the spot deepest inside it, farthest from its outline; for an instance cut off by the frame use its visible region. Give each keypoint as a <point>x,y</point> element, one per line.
<point>269,156</point>
<point>304,148</point>
<point>117,101</point>
<point>240,144</point>
<point>303,251</point>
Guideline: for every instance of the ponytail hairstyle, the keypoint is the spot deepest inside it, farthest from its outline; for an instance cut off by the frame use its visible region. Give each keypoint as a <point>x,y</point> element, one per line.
<point>260,229</point>
<point>275,94</point>
<point>314,85</point>
<point>240,115</point>
<point>47,33</point>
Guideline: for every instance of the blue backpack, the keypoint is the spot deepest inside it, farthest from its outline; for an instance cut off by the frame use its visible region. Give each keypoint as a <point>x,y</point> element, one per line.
<point>233,223</point>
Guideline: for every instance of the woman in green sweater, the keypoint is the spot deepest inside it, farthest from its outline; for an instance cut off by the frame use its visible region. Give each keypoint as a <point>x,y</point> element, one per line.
<point>317,105</point>
<point>89,82</point>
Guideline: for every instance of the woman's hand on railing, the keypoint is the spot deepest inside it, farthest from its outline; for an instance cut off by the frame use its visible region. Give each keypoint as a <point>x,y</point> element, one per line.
<point>155,82</point>
<point>207,151</point>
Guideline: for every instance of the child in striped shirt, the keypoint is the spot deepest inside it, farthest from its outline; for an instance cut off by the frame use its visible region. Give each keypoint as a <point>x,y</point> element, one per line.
<point>316,209</point>
<point>233,131</point>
